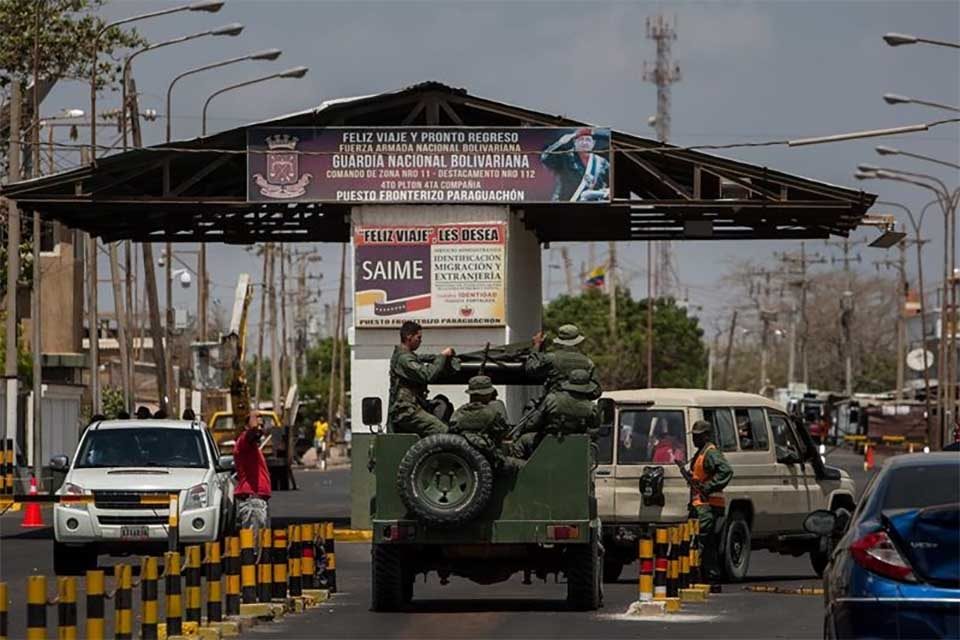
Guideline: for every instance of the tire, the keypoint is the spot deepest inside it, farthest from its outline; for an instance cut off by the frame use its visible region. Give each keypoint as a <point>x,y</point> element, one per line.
<point>612,568</point>
<point>444,481</point>
<point>584,577</point>
<point>73,561</point>
<point>735,556</point>
<point>387,578</point>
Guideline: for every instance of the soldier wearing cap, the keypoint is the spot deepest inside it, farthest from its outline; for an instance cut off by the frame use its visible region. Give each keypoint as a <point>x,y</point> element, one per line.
<point>570,409</point>
<point>711,473</point>
<point>483,420</point>
<point>556,365</point>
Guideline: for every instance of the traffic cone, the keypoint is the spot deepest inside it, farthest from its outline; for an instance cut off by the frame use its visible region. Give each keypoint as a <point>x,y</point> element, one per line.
<point>868,458</point>
<point>32,517</point>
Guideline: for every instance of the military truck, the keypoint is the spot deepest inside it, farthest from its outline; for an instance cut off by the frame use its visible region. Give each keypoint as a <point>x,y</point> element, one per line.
<point>440,507</point>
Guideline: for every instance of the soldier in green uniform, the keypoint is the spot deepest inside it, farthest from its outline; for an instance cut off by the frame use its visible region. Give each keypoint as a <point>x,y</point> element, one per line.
<point>710,473</point>
<point>482,421</point>
<point>556,365</point>
<point>409,376</point>
<point>569,409</point>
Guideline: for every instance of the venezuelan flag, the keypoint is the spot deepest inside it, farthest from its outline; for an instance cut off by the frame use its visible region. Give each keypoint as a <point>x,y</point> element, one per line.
<point>596,278</point>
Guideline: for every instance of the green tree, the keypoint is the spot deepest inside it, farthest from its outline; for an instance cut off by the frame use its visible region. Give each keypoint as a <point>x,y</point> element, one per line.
<point>679,355</point>
<point>112,402</point>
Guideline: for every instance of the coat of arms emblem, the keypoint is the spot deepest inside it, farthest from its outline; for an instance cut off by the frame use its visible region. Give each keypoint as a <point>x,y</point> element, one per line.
<point>283,179</point>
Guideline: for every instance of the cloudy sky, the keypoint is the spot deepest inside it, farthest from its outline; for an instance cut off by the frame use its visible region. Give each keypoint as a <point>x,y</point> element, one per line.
<point>750,71</point>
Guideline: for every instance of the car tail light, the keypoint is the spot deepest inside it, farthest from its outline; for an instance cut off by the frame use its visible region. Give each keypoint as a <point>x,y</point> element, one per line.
<point>563,532</point>
<point>877,553</point>
<point>396,532</point>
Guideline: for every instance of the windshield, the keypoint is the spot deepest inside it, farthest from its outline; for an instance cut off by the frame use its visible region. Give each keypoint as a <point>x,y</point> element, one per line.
<point>142,447</point>
<point>651,436</point>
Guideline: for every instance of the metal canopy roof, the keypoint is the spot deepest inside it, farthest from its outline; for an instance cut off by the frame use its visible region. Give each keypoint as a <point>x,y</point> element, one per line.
<point>195,190</point>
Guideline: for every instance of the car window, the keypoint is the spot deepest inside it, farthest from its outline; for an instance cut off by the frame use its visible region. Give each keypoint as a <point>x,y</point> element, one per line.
<point>143,447</point>
<point>783,436</point>
<point>646,436</point>
<point>751,429</point>
<point>724,433</point>
<point>920,486</point>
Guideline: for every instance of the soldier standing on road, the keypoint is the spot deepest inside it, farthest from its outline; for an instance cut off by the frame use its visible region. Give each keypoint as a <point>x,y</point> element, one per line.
<point>409,376</point>
<point>711,473</point>
<point>568,410</point>
<point>482,421</point>
<point>556,365</point>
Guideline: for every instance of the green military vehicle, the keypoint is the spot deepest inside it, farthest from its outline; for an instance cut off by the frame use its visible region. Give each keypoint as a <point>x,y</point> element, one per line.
<point>439,506</point>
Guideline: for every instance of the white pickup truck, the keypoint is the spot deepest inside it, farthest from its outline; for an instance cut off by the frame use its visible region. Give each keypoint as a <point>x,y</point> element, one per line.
<point>116,462</point>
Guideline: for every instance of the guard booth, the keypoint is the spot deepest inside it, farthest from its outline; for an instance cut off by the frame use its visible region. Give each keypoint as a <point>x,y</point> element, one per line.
<point>446,199</point>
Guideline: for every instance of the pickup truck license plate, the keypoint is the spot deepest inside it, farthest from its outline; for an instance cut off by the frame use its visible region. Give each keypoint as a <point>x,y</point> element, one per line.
<point>133,533</point>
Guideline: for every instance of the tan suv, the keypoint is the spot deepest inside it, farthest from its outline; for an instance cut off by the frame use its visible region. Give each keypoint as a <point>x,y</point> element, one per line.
<point>778,476</point>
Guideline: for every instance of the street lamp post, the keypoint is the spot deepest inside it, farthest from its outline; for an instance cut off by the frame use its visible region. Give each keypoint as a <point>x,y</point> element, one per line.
<point>293,72</point>
<point>890,151</point>
<point>232,29</point>
<point>897,39</point>
<point>893,98</point>
<point>209,6</point>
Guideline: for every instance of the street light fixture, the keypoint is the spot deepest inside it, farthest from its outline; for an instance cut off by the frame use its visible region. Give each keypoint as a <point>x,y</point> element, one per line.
<point>890,151</point>
<point>208,6</point>
<point>293,72</point>
<point>893,98</point>
<point>266,54</point>
<point>897,39</point>
<point>870,133</point>
<point>232,29</point>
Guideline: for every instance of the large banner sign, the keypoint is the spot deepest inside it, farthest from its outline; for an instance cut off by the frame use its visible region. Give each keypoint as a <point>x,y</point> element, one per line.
<point>438,275</point>
<point>428,165</point>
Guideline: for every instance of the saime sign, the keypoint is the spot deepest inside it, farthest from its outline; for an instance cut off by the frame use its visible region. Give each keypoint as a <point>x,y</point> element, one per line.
<point>438,275</point>
<point>429,165</point>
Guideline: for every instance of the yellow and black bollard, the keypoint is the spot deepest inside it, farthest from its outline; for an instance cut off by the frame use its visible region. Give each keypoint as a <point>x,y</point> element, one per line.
<point>194,609</point>
<point>673,563</point>
<point>231,561</point>
<point>37,608</point>
<point>660,564</point>
<point>214,586</point>
<point>6,467</point>
<point>308,556</point>
<point>171,561</point>
<point>280,563</point>
<point>3,607</point>
<point>123,602</point>
<point>248,575</point>
<point>695,576</point>
<point>646,567</point>
<point>66,608</point>
<point>330,551</point>
<point>295,582</point>
<point>149,592</point>
<point>685,555</point>
<point>95,605</point>
<point>265,567</point>
<point>173,523</point>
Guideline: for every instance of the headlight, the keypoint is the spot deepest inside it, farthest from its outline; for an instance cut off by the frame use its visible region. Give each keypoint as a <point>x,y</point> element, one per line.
<point>196,497</point>
<point>70,489</point>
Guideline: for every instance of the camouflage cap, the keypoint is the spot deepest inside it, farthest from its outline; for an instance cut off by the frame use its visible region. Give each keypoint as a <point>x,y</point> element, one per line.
<point>701,426</point>
<point>579,381</point>
<point>480,386</point>
<point>569,335</point>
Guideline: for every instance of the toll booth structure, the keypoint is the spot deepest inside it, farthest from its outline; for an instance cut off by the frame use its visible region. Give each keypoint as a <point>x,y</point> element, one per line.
<point>422,181</point>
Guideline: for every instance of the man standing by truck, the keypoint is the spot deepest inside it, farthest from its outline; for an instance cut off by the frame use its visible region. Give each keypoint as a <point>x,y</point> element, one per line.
<point>710,474</point>
<point>409,376</point>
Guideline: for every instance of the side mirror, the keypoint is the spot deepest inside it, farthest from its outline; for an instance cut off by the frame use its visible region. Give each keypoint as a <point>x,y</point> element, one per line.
<point>607,412</point>
<point>786,455</point>
<point>226,463</point>
<point>820,522</point>
<point>60,463</point>
<point>371,409</point>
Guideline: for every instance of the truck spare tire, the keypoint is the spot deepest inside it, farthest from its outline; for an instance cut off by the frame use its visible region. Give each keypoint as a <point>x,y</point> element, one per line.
<point>443,480</point>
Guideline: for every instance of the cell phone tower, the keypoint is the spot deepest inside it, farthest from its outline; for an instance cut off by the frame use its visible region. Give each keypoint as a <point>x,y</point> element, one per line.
<point>663,73</point>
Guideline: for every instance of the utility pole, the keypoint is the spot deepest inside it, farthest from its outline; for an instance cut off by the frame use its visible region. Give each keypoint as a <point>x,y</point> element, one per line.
<point>13,265</point>
<point>283,319</point>
<point>729,350</point>
<point>149,275</point>
<point>35,328</point>
<point>120,313</point>
<point>567,270</point>
<point>336,336</point>
<point>796,269</point>
<point>902,289</point>
<point>649,315</point>
<point>767,315</point>
<point>92,321</point>
<point>847,308</point>
<point>263,320</point>
<point>612,293</point>
<point>275,382</point>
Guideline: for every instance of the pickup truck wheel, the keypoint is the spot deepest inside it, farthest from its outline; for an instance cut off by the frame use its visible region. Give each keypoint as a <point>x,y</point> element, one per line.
<point>584,578</point>
<point>735,560</point>
<point>387,579</point>
<point>444,481</point>
<point>73,561</point>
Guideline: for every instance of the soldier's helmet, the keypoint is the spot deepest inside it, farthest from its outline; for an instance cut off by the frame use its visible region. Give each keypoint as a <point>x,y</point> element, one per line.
<point>701,426</point>
<point>480,386</point>
<point>569,335</point>
<point>578,382</point>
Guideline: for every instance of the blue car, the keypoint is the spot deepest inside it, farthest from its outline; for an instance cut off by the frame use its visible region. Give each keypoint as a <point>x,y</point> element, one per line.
<point>895,570</point>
